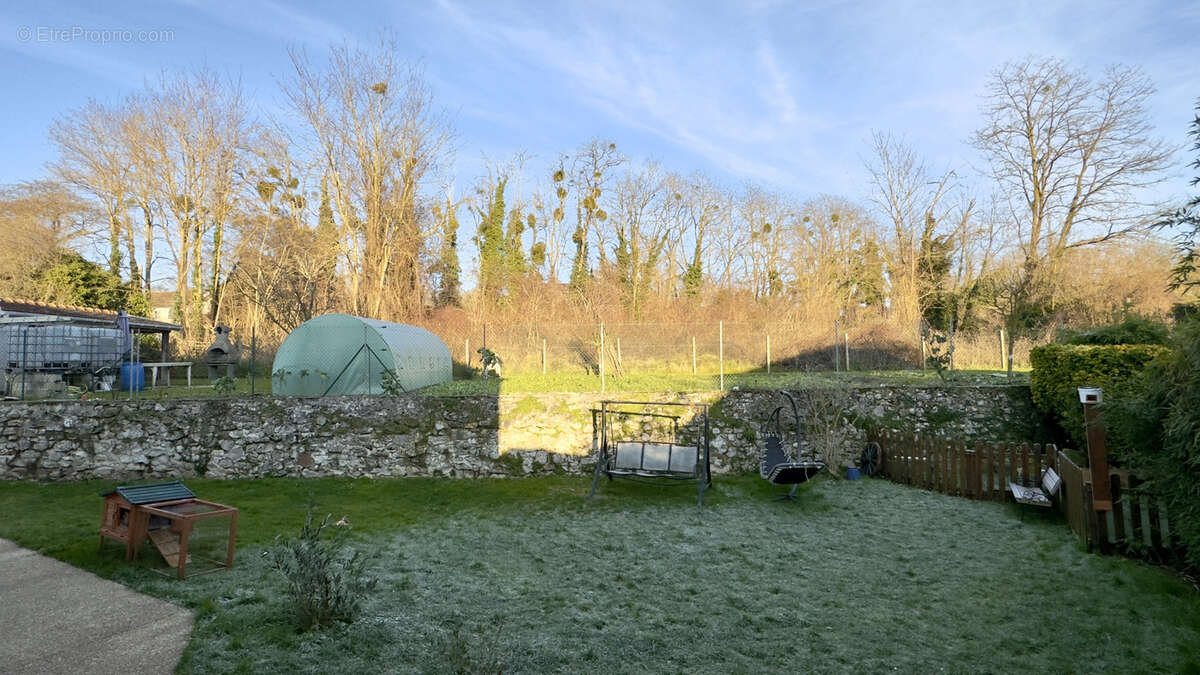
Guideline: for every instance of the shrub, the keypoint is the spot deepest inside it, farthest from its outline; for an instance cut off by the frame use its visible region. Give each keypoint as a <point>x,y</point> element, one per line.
<point>1058,370</point>
<point>1156,433</point>
<point>224,385</point>
<point>325,583</point>
<point>1134,330</point>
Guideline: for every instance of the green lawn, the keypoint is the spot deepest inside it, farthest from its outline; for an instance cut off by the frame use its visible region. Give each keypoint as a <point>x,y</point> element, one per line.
<point>635,382</point>
<point>529,576</point>
<point>641,382</point>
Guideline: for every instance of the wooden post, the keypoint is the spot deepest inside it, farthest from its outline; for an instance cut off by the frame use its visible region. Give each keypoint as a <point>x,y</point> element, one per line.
<point>1097,457</point>
<point>601,357</point>
<point>847,334</point>
<point>768,353</point>
<point>1003,353</point>
<point>232,539</point>
<point>836,359</point>
<point>184,536</point>
<point>693,354</point>
<point>253,357</point>
<point>618,354</point>
<point>467,351</point>
<point>721,353</point>
<point>543,356</point>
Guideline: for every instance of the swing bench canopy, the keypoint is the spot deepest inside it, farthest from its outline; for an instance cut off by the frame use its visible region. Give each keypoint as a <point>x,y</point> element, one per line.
<point>339,354</point>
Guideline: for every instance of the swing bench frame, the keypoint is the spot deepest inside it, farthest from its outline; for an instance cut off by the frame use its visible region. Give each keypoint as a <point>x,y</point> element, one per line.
<point>651,459</point>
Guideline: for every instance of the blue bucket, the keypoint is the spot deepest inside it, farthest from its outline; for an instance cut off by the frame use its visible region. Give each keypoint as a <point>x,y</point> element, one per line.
<point>133,376</point>
<point>852,473</point>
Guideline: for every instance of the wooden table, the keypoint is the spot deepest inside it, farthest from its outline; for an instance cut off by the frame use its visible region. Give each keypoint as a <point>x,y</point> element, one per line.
<point>167,366</point>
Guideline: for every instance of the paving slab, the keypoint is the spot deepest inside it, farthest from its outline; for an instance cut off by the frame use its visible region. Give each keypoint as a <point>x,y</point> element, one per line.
<point>55,618</point>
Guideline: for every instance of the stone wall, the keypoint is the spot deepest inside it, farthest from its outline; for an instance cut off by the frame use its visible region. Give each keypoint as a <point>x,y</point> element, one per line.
<point>513,434</point>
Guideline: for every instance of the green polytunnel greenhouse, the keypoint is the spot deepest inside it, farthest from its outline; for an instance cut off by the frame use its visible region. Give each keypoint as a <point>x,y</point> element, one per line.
<point>336,354</point>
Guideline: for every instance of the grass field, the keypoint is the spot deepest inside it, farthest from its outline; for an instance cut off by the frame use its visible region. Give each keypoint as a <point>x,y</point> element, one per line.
<point>641,382</point>
<point>635,382</point>
<point>528,576</point>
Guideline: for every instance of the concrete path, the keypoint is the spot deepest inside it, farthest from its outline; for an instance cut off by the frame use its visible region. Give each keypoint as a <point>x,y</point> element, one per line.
<point>55,618</point>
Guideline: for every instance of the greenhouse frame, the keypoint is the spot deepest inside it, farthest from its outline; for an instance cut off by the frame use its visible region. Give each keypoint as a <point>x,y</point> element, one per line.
<point>339,354</point>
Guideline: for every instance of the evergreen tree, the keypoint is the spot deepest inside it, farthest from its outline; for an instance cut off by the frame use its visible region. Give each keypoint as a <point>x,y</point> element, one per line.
<point>448,269</point>
<point>491,243</point>
<point>1186,221</point>
<point>515,265</point>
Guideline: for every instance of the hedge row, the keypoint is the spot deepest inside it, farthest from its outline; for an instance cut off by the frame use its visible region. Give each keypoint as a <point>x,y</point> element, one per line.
<point>1059,370</point>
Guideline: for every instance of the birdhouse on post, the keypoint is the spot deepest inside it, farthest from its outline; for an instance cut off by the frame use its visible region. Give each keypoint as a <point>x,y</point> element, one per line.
<point>1093,422</point>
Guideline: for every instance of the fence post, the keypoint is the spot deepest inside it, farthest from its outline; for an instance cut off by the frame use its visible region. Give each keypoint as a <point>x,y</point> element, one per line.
<point>768,353</point>
<point>619,365</point>
<point>721,353</point>
<point>1003,353</point>
<point>543,356</point>
<point>693,354</point>
<point>467,351</point>
<point>253,355</point>
<point>601,357</point>
<point>836,360</point>
<point>847,334</point>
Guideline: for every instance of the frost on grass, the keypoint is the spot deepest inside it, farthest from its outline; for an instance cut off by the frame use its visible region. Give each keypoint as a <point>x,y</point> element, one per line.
<point>858,576</point>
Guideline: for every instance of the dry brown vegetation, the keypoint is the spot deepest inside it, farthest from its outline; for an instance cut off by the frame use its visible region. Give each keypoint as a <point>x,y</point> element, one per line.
<point>341,202</point>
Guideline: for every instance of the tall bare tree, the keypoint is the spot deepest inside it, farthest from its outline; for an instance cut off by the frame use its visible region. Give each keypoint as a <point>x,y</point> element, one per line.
<point>371,119</point>
<point>39,220</point>
<point>1072,153</point>
<point>646,217</point>
<point>912,199</point>
<point>194,125</point>
<point>91,157</point>
<point>589,175</point>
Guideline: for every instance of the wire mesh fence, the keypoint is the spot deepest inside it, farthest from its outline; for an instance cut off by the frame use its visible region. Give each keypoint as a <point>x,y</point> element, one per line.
<point>706,348</point>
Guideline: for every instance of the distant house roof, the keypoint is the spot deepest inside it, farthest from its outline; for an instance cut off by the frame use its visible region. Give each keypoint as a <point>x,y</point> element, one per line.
<point>162,299</point>
<point>82,314</point>
<point>156,492</point>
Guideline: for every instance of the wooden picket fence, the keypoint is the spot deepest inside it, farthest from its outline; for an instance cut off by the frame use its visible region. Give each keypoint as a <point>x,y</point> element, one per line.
<point>1138,521</point>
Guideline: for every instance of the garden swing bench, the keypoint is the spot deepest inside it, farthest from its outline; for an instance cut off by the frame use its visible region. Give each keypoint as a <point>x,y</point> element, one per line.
<point>650,446</point>
<point>774,464</point>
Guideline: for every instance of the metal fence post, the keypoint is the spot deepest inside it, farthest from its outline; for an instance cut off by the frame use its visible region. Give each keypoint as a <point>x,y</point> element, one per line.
<point>601,357</point>
<point>253,355</point>
<point>721,353</point>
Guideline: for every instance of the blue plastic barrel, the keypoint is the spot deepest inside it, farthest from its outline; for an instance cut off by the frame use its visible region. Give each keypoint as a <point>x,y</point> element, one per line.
<point>133,376</point>
<point>852,473</point>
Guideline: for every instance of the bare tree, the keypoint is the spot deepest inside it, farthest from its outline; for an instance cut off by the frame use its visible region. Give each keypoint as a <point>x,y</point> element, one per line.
<point>92,159</point>
<point>40,220</point>
<point>646,217</point>
<point>1072,156</point>
<point>588,177</point>
<point>1071,153</point>
<point>705,210</point>
<point>372,124</point>
<point>912,200</point>
<point>195,125</point>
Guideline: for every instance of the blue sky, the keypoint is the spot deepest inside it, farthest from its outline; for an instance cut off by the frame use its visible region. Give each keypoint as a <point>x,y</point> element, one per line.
<point>781,93</point>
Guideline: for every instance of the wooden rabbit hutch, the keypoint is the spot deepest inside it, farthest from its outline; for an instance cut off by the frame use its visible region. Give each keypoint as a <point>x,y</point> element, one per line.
<point>167,514</point>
